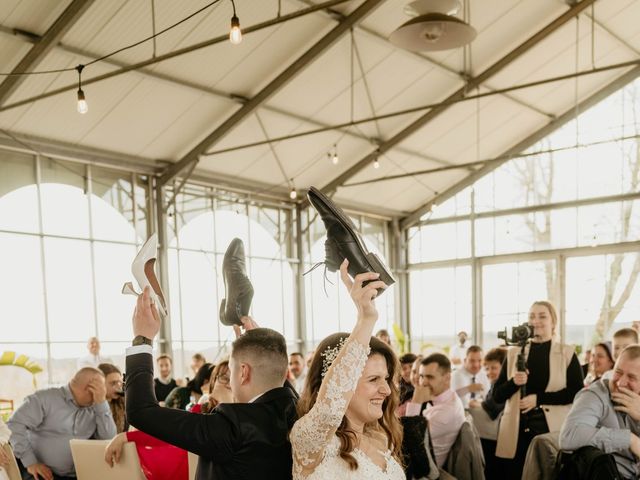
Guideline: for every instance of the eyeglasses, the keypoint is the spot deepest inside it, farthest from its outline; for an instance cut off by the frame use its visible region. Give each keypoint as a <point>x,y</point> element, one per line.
<point>224,379</point>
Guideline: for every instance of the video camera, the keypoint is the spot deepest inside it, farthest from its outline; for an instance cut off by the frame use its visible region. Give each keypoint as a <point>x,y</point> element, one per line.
<point>519,335</point>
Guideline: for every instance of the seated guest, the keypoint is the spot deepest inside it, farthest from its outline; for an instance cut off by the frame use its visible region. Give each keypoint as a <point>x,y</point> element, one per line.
<point>470,382</point>
<point>164,383</point>
<point>486,413</point>
<point>237,440</point>
<point>601,361</point>
<point>115,395</point>
<point>414,377</point>
<point>94,358</point>
<point>43,425</point>
<point>586,366</point>
<point>180,397</point>
<point>594,421</point>
<point>406,388</point>
<point>622,339</point>
<point>220,389</point>
<point>197,361</point>
<point>297,370</point>
<point>383,335</point>
<point>445,412</point>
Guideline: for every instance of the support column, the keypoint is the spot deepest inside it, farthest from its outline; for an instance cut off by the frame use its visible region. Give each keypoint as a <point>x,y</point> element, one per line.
<point>398,249</point>
<point>162,264</point>
<point>300,311</point>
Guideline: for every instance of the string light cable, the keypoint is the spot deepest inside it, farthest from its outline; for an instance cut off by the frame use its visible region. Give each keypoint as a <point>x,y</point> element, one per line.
<point>235,36</point>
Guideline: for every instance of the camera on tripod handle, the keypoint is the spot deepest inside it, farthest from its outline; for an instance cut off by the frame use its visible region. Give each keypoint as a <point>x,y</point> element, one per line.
<point>519,335</point>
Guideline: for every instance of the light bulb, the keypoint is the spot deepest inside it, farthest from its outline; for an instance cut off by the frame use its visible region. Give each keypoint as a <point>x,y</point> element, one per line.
<point>235,34</point>
<point>82,102</point>
<point>376,163</point>
<point>335,159</point>
<point>293,194</point>
<point>433,31</point>
<point>434,207</point>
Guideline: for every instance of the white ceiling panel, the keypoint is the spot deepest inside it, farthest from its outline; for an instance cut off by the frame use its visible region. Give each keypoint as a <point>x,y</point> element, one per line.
<point>137,114</point>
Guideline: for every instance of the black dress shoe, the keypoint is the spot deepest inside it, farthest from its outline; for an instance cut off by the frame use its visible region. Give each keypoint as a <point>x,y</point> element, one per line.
<point>344,241</point>
<point>237,286</point>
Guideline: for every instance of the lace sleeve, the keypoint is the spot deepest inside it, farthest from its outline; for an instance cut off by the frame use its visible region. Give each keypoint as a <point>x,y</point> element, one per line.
<point>312,433</point>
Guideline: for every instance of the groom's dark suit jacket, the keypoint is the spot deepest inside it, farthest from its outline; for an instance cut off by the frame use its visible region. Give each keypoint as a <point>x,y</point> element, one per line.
<point>236,441</point>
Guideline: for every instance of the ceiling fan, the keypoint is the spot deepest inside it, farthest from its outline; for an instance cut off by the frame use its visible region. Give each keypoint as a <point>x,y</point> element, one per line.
<point>433,27</point>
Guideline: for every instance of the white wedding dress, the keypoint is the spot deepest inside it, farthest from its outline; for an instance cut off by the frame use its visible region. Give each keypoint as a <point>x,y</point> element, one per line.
<point>313,436</point>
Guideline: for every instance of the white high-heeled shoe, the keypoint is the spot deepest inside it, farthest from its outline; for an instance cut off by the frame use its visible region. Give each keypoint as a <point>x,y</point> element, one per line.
<point>145,275</point>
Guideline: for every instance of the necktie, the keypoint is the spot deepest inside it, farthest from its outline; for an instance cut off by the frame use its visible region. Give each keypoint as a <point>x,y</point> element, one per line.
<point>473,380</point>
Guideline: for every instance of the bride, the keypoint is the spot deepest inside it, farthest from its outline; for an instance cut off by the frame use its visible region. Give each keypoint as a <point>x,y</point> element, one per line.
<point>347,426</point>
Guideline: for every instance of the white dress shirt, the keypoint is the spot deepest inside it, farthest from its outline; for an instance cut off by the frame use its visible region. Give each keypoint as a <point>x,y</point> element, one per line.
<point>462,378</point>
<point>92,361</point>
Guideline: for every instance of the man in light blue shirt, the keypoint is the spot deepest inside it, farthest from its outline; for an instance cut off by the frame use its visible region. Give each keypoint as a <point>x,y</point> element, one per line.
<point>43,425</point>
<point>602,415</point>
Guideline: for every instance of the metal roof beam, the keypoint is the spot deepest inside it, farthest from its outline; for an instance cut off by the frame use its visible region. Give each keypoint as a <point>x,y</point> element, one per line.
<point>471,84</point>
<point>276,84</point>
<point>40,49</point>
<point>163,77</point>
<point>570,114</point>
<point>336,15</point>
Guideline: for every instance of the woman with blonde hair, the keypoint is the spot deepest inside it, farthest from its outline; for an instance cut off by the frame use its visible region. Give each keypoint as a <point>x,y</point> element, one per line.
<point>347,426</point>
<point>539,398</point>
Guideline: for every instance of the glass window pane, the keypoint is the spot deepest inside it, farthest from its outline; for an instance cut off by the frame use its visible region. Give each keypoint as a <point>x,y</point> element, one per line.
<point>21,292</point>
<point>199,302</point>
<point>112,269</point>
<point>602,296</point>
<point>64,210</point>
<point>440,305</point>
<point>19,209</point>
<point>445,241</point>
<point>509,289</point>
<point>69,289</point>
<point>112,206</point>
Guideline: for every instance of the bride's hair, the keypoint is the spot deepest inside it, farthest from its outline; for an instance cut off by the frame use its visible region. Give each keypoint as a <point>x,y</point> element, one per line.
<point>388,424</point>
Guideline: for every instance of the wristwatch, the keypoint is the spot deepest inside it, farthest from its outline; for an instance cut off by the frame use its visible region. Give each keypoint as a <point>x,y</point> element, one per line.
<point>141,340</point>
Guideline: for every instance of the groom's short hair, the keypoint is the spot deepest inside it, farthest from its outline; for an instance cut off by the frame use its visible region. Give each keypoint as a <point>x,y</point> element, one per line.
<point>265,350</point>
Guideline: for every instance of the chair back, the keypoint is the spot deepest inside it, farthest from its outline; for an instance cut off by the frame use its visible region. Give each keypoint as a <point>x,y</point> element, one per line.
<point>13,472</point>
<point>88,458</point>
<point>193,464</point>
<point>466,460</point>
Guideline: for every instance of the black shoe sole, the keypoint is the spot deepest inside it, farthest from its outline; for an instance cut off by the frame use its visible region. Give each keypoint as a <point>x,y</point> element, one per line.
<point>376,264</point>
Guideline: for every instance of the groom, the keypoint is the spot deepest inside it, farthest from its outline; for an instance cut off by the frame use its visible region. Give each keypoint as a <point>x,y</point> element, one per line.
<point>237,440</point>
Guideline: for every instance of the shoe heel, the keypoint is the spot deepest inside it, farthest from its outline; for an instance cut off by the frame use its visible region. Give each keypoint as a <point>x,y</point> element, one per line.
<point>127,289</point>
<point>379,267</point>
<point>221,314</point>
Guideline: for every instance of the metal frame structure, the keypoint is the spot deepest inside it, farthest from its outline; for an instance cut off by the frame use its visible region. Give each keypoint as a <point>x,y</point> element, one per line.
<point>470,85</point>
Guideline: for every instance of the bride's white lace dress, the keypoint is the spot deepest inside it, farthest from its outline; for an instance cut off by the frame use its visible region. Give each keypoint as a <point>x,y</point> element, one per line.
<point>313,439</point>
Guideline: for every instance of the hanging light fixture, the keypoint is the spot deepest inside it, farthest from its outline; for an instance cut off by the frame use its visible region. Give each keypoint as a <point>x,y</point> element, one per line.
<point>83,107</point>
<point>433,27</point>
<point>334,158</point>
<point>235,34</point>
<point>376,163</point>
<point>292,193</point>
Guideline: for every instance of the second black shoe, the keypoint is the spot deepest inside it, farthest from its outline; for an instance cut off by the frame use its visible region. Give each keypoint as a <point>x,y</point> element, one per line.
<point>344,241</point>
<point>237,286</point>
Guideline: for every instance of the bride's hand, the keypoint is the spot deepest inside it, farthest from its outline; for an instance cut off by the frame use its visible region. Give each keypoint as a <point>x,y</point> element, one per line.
<point>363,296</point>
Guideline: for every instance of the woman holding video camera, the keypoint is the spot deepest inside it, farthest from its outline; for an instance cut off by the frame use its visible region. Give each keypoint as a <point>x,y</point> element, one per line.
<point>538,394</point>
